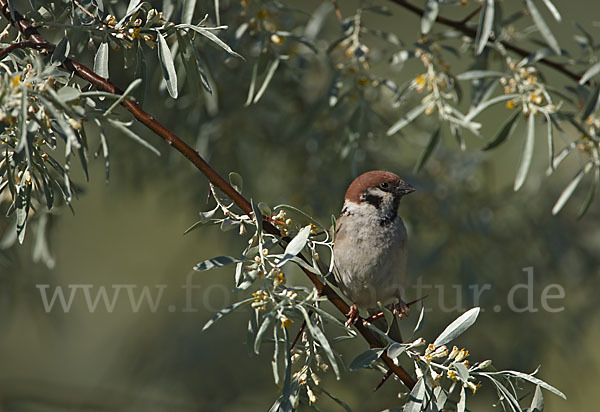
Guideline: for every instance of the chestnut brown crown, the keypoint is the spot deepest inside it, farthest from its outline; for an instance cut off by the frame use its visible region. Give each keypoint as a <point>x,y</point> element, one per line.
<point>386,181</point>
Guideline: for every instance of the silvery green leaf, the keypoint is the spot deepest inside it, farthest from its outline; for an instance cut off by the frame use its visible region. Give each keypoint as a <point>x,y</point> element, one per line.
<point>268,77</point>
<point>505,131</point>
<point>100,6</point>
<point>22,209</point>
<point>188,58</point>
<point>589,73</point>
<point>484,28</point>
<point>67,93</point>
<point>432,7</point>
<point>550,138</point>
<point>217,262</point>
<point>61,52</point>
<point>592,104</point>
<point>333,398</point>
<point>419,324</point>
<point>258,217</point>
<point>101,60</point>
<point>536,56</point>
<point>126,94</point>
<point>535,381</point>
<point>365,359</point>
<point>275,356</point>
<point>568,191</point>
<point>264,209</point>
<point>456,328</point>
<point>296,245</point>
<point>212,37</point>
<point>261,331</point>
<point>228,224</point>
<point>506,395</point>
<point>252,85</point>
<point>537,403</point>
<point>479,74</point>
<point>461,371</point>
<point>217,13</point>
<point>166,63</point>
<point>527,153</point>
<point>187,12</point>
<point>553,10</point>
<point>416,397</point>
<point>236,181</point>
<point>322,339</point>
<point>462,402</point>
<point>543,27</point>
<point>431,145</point>
<point>440,396</point>
<point>406,119</point>
<point>133,5</point>
<point>129,133</point>
<point>395,350</point>
<point>487,103</point>
<point>226,311</point>
<point>591,193</point>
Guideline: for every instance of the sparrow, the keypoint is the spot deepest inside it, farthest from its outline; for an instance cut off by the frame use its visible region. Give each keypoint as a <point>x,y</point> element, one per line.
<point>370,243</point>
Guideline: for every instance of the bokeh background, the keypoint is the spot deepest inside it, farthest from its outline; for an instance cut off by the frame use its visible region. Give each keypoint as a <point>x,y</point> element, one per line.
<point>467,227</point>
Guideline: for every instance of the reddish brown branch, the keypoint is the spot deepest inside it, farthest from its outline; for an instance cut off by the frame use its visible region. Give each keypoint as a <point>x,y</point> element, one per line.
<point>471,32</point>
<point>85,73</point>
<point>24,45</point>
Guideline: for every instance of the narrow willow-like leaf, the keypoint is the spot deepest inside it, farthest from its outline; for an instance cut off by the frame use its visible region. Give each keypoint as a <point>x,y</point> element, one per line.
<point>535,381</point>
<point>431,145</point>
<point>61,52</point>
<point>479,74</point>
<point>226,311</point>
<point>101,60</point>
<point>274,361</point>
<point>128,91</point>
<point>406,119</point>
<point>268,77</point>
<point>416,398</point>
<point>591,193</point>
<point>537,402</point>
<point>505,131</point>
<point>252,85</point>
<point>364,359</point>
<point>217,13</point>
<point>553,10</point>
<point>212,37</point>
<point>167,66</point>
<point>568,191</point>
<point>216,262</point>
<point>487,103</point>
<point>589,73</point>
<point>527,154</point>
<point>484,29</point>
<point>419,324</point>
<point>457,328</point>
<point>432,8</point>
<point>296,245</point>
<point>543,27</point>
<point>462,402</point>
<point>192,75</point>
<point>322,339</point>
<point>261,331</point>
<point>129,133</point>
<point>591,104</point>
<point>187,12</point>
<point>236,181</point>
<point>550,138</point>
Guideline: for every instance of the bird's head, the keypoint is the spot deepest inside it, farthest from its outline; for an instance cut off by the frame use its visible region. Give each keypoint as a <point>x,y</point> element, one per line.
<point>378,192</point>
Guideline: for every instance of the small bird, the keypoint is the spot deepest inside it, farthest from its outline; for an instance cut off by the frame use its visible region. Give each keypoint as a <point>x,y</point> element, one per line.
<point>370,243</point>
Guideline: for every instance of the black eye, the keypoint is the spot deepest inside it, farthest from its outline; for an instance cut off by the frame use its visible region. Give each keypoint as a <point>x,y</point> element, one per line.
<point>384,185</point>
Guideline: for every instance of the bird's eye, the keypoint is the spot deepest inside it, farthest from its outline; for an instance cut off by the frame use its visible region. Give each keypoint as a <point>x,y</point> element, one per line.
<point>384,185</point>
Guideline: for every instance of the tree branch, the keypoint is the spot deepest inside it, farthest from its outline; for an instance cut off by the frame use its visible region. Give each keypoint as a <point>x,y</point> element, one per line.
<point>462,27</point>
<point>192,155</point>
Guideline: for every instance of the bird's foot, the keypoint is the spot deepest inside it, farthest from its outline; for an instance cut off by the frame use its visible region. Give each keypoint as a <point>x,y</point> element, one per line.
<point>352,315</point>
<point>400,309</point>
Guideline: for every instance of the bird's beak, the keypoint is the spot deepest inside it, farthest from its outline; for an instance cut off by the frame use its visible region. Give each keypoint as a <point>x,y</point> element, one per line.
<point>405,189</point>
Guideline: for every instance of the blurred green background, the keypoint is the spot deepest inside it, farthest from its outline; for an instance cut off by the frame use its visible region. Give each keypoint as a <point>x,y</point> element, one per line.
<point>467,227</point>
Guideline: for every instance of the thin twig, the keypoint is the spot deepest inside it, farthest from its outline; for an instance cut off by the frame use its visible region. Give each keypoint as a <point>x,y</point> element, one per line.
<point>463,28</point>
<point>192,155</point>
<point>471,15</point>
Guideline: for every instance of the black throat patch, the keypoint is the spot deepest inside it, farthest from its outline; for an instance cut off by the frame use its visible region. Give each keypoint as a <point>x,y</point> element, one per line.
<point>372,199</point>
